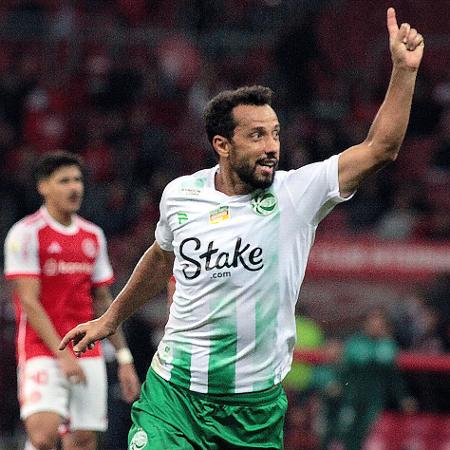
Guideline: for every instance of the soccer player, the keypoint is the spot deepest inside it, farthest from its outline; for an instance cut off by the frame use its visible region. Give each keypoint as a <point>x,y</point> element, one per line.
<point>59,267</point>
<point>237,237</point>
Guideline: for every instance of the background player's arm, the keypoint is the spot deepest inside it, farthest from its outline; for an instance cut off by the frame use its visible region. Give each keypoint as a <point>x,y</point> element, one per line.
<point>28,290</point>
<point>129,382</point>
<point>389,126</point>
<point>148,279</point>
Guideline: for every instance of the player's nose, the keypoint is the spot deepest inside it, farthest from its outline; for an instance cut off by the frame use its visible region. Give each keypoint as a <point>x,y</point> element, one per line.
<point>272,146</point>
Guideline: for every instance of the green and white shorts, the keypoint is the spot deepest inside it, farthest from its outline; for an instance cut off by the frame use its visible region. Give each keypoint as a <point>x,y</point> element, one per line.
<point>169,417</point>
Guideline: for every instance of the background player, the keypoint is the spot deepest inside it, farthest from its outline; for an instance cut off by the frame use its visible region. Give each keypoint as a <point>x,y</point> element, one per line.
<point>239,235</point>
<point>60,270</point>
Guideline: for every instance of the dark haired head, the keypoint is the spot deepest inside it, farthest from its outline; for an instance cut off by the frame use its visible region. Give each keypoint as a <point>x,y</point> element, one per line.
<point>219,110</point>
<point>51,162</point>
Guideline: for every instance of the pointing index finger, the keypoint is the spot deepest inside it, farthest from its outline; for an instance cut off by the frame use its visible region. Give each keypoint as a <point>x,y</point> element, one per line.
<point>392,25</point>
<point>72,335</point>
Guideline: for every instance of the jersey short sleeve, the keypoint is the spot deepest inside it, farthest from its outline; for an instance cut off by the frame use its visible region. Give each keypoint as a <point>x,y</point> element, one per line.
<point>316,187</point>
<point>21,252</point>
<point>163,233</point>
<point>102,272</point>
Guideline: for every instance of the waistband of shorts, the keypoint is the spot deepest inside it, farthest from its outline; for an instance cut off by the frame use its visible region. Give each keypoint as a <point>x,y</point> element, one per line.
<point>263,397</point>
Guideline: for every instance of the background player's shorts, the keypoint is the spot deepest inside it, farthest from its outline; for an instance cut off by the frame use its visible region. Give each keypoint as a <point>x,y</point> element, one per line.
<point>44,388</point>
<point>170,417</point>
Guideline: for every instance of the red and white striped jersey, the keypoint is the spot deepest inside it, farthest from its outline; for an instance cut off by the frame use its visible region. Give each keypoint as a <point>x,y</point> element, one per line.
<point>69,261</point>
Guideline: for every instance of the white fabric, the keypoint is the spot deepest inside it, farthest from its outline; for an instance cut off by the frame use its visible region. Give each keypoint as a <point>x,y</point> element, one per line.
<point>240,261</point>
<point>22,245</point>
<point>44,388</point>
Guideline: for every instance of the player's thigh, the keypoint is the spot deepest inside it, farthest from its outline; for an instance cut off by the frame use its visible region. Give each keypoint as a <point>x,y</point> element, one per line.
<point>42,429</point>
<point>80,440</point>
<point>162,418</point>
<point>42,387</point>
<point>88,402</point>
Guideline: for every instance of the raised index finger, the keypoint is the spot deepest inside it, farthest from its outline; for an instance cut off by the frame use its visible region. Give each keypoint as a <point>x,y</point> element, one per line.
<point>392,25</point>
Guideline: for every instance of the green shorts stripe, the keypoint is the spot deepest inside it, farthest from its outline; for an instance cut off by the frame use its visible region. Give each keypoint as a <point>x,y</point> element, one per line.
<point>170,417</point>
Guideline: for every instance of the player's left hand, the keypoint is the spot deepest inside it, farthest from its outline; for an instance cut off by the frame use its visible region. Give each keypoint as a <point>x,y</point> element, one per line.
<point>129,382</point>
<point>406,43</point>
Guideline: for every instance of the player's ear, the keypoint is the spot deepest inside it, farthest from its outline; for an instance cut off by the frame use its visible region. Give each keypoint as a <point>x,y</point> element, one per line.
<point>221,145</point>
<point>42,187</point>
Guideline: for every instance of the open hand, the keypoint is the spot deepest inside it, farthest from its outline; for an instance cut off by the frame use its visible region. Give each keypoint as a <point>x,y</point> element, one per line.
<point>406,43</point>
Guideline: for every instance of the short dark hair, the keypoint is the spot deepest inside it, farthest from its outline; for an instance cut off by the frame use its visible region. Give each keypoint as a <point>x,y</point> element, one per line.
<point>50,162</point>
<point>218,112</point>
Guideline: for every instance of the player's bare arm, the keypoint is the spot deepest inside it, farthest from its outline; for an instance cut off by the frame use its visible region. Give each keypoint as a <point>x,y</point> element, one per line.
<point>389,126</point>
<point>148,279</point>
<point>129,381</point>
<point>28,290</point>
<point>102,301</point>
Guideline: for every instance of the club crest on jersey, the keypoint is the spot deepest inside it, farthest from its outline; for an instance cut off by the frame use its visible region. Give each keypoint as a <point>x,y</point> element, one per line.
<point>219,215</point>
<point>88,247</point>
<point>264,203</point>
<point>54,247</point>
<point>139,441</point>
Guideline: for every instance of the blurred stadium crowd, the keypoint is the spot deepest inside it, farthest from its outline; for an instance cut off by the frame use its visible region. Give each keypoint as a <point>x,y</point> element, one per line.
<point>123,83</point>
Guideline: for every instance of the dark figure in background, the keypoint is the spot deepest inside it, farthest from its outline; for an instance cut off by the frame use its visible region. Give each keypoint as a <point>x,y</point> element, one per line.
<point>369,379</point>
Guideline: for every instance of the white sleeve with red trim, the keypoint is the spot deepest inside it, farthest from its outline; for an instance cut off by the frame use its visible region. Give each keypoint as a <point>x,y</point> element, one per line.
<point>21,252</point>
<point>103,273</point>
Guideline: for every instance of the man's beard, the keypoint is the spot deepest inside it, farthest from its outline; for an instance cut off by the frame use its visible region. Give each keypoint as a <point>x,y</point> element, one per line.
<point>247,174</point>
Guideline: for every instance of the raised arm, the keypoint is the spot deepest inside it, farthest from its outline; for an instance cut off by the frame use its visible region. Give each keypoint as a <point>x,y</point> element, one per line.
<point>149,277</point>
<point>389,126</point>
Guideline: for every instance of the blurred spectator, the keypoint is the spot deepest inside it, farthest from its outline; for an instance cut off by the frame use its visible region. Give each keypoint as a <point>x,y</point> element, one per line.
<point>302,415</point>
<point>309,336</point>
<point>327,383</point>
<point>439,298</point>
<point>44,127</point>
<point>425,111</point>
<point>441,159</point>
<point>367,208</point>
<point>421,327</point>
<point>296,51</point>
<point>312,416</point>
<point>369,380</point>
<point>399,222</point>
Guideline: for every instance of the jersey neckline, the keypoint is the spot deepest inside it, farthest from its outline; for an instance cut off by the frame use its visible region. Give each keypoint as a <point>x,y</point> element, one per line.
<point>59,227</point>
<point>212,185</point>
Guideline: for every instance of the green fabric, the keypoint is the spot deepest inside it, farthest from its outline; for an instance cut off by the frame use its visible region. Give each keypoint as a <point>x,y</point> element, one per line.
<point>223,347</point>
<point>181,372</point>
<point>169,417</point>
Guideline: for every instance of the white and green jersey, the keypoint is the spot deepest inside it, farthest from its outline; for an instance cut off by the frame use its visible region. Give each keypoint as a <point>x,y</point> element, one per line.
<point>240,261</point>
